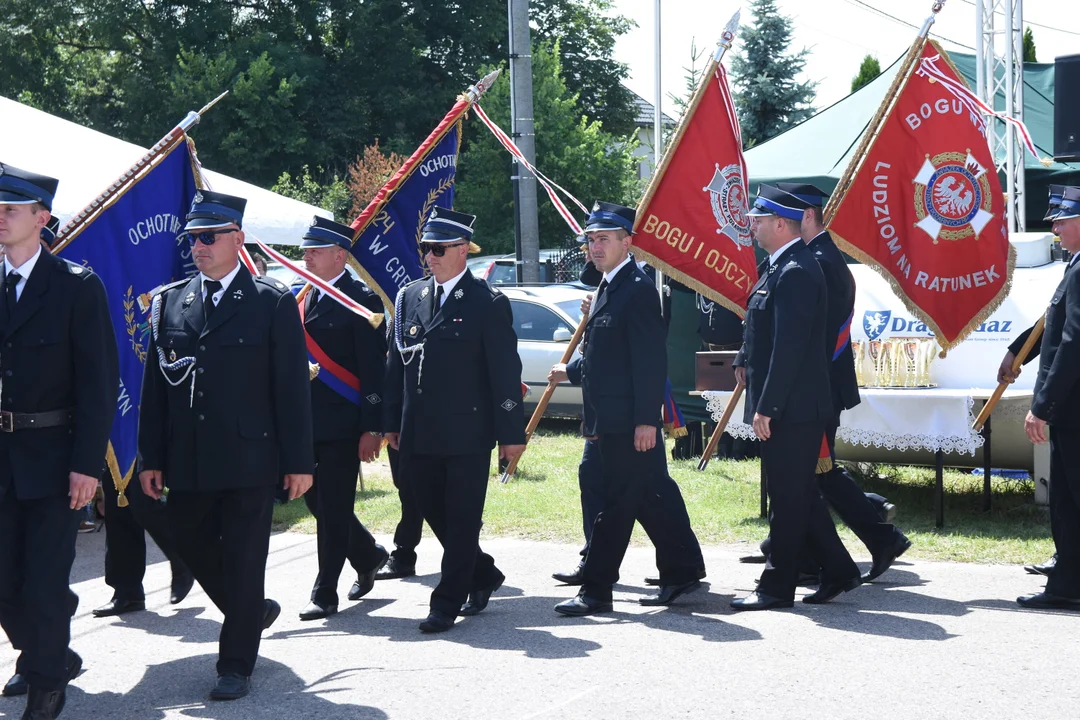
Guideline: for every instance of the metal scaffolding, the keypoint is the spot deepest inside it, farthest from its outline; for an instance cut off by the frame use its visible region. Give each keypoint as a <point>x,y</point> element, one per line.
<point>1000,71</point>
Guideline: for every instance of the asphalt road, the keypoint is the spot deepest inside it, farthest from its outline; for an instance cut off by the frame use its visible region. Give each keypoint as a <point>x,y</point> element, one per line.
<point>930,640</point>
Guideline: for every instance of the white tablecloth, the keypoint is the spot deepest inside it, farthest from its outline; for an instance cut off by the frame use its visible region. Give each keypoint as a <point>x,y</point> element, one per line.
<point>916,419</point>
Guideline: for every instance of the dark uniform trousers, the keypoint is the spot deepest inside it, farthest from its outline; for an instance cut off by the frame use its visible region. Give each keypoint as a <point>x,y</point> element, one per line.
<point>450,491</point>
<point>341,535</point>
<point>37,549</point>
<point>224,538</point>
<point>1064,579</point>
<point>799,519</point>
<point>663,515</point>
<point>125,538</point>
<point>629,479</point>
<point>860,511</point>
<point>224,435</point>
<point>410,527</point>
<point>58,352</point>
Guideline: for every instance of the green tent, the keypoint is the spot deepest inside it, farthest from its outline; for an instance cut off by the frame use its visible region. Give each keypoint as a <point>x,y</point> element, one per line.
<point>818,151</point>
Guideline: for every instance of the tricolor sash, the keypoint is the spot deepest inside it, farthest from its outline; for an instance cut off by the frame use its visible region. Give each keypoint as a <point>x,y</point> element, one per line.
<point>332,375</point>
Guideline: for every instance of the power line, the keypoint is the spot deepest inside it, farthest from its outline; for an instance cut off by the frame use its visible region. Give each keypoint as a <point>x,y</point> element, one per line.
<point>882,13</point>
<point>1035,24</point>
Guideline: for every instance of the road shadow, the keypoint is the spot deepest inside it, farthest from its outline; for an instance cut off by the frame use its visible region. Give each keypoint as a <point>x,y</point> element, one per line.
<point>182,686</point>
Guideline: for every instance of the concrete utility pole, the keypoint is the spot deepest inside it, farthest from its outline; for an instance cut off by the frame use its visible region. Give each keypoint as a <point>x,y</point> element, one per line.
<point>521,130</point>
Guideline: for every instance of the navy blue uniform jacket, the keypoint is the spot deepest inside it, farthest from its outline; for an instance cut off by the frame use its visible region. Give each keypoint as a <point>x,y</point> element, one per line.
<point>623,365</point>
<point>787,370</point>
<point>467,396</point>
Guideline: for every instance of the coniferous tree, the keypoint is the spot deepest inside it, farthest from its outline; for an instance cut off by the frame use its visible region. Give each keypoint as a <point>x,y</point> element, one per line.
<point>768,97</point>
<point>869,70</point>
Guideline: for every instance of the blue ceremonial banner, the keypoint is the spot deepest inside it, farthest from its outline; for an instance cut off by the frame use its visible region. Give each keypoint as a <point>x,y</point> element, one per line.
<point>132,245</point>
<point>388,243</point>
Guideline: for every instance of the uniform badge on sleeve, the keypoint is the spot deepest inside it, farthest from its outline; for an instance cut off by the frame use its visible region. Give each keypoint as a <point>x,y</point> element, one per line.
<point>373,399</point>
<point>508,405</point>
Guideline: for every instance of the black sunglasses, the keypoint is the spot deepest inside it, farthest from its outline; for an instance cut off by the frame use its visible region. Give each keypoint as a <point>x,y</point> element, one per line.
<point>438,249</point>
<point>208,237</point>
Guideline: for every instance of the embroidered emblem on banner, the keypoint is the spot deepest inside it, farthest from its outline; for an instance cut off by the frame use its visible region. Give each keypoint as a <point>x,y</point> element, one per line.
<point>728,202</point>
<point>952,197</point>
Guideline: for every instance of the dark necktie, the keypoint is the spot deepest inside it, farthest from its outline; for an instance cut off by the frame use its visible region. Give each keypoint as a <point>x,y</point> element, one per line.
<point>10,284</point>
<point>438,300</point>
<point>313,298</point>
<point>596,298</point>
<point>212,286</point>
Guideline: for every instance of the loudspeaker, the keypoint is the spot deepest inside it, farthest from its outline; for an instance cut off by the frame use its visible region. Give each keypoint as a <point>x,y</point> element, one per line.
<point>1067,108</point>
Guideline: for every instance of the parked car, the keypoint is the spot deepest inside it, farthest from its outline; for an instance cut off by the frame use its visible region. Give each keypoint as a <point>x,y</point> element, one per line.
<point>502,269</point>
<point>545,319</point>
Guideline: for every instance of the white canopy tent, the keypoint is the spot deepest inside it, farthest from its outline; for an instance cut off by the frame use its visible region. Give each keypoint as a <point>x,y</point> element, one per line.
<point>87,161</point>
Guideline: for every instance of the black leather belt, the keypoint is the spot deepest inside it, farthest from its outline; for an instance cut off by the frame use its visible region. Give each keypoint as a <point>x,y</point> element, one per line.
<point>12,421</point>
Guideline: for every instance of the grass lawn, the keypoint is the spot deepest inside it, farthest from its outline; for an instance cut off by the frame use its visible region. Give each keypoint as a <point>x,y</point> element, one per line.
<point>541,502</point>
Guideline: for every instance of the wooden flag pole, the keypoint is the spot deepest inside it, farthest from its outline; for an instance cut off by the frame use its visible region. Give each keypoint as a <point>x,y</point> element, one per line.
<point>1025,350</point>
<point>546,397</point>
<point>714,440</point>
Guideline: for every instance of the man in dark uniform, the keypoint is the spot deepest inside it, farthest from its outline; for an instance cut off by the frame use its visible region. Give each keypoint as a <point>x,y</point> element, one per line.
<point>346,404</point>
<point>59,376</point>
<point>453,389</point>
<point>622,375</point>
<point>789,404</point>
<point>1056,403</point>
<point>857,509</point>
<point>665,508</point>
<point>1005,373</point>
<point>226,413</point>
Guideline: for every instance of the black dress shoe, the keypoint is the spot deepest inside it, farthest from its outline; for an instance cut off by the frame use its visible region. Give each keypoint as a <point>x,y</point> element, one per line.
<point>884,559</point>
<point>668,593</point>
<point>571,578</point>
<point>74,664</point>
<point>582,604</point>
<point>232,686</point>
<point>271,610</point>
<point>829,590</point>
<point>761,601</point>
<point>366,581</point>
<point>315,611</point>
<point>15,686</point>
<point>437,622</point>
<point>478,599</point>
<point>753,559</point>
<point>394,569</point>
<point>1044,568</point>
<point>181,586</point>
<point>655,581</point>
<point>117,606</point>
<point>1047,601</point>
<point>43,705</point>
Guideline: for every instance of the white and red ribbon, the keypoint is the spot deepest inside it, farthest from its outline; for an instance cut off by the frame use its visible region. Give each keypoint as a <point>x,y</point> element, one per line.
<point>548,184</point>
<point>928,67</point>
<point>315,280</point>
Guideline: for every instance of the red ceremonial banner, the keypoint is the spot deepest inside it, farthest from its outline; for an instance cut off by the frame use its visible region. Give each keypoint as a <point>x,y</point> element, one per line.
<point>692,223</point>
<point>924,205</point>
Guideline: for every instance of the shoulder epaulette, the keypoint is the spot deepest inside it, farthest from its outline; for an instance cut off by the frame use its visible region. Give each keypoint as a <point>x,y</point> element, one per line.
<point>271,282</point>
<point>167,286</point>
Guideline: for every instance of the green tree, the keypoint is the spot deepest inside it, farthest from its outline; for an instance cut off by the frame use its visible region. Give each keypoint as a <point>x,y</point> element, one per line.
<point>328,192</point>
<point>572,150</point>
<point>769,99</point>
<point>868,70</point>
<point>1029,46</point>
<point>691,79</point>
